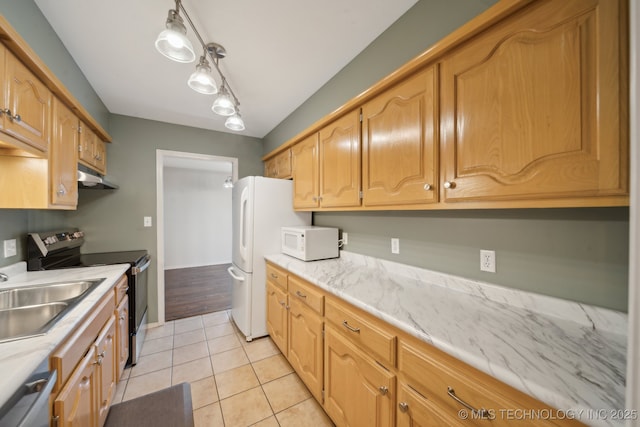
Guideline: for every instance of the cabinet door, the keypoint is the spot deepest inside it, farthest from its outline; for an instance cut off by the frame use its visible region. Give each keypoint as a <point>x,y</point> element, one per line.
<point>358,391</point>
<point>304,158</point>
<point>415,410</point>
<point>106,368</point>
<point>277,316</point>
<point>76,404</point>
<point>122,335</point>
<point>340,162</point>
<point>283,165</point>
<point>532,108</point>
<point>270,168</point>
<point>305,351</point>
<point>63,157</point>
<point>100,156</point>
<point>29,102</point>
<point>399,144</point>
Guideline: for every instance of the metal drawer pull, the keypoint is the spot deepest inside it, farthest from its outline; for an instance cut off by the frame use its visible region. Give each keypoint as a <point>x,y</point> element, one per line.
<point>300,294</point>
<point>404,406</point>
<point>274,276</point>
<point>383,390</point>
<point>349,327</point>
<point>482,413</point>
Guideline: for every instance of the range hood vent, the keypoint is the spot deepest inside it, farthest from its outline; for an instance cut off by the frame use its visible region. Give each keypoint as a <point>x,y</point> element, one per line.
<point>90,180</point>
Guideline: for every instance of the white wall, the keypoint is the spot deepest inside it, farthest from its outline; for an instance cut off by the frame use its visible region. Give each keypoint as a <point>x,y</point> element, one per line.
<point>197,218</point>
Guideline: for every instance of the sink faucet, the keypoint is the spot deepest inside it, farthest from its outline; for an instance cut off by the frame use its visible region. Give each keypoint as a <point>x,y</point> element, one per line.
<point>3,277</point>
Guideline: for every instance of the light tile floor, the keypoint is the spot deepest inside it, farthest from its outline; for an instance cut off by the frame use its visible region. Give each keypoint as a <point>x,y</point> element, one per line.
<point>234,383</point>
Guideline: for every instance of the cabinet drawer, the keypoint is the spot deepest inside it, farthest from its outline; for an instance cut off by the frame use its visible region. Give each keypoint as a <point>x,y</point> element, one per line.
<point>306,294</point>
<point>277,276</point>
<point>121,289</point>
<point>363,330</point>
<point>447,382</point>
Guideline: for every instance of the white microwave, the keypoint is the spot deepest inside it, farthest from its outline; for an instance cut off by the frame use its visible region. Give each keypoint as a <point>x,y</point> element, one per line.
<point>310,243</point>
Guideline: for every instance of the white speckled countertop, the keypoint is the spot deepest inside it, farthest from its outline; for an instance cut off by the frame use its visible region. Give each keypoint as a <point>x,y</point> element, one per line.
<point>19,358</point>
<point>569,355</point>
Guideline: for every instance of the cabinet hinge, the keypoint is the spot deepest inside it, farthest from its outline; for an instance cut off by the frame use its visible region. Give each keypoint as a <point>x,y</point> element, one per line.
<point>54,421</point>
<point>322,395</point>
<point>361,194</point>
<point>360,116</point>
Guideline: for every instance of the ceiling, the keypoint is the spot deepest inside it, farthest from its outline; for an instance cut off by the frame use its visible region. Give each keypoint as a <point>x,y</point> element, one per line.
<point>279,52</point>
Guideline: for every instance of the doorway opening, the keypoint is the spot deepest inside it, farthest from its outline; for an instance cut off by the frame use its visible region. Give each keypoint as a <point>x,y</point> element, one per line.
<point>194,233</point>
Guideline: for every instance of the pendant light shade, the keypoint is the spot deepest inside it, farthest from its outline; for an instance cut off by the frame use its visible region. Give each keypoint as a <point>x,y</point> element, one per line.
<point>223,105</point>
<point>202,80</point>
<point>234,122</point>
<point>173,42</point>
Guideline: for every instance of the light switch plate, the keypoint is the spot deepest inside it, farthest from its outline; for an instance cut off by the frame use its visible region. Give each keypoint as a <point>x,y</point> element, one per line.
<point>395,245</point>
<point>10,248</point>
<point>147,221</point>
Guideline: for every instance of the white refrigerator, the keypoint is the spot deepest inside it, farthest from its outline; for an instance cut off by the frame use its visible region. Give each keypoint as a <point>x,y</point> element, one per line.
<point>260,207</point>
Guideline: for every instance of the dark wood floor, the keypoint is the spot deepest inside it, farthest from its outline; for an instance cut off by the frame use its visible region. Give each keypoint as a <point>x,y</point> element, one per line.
<point>196,290</point>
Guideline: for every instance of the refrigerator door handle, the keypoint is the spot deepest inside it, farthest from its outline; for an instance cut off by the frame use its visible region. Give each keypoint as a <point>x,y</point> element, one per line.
<point>244,198</point>
<point>232,274</point>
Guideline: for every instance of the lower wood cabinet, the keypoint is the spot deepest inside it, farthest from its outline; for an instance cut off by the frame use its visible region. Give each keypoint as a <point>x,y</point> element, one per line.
<point>277,316</point>
<point>305,343</point>
<point>88,366</point>
<point>358,391</point>
<point>76,404</point>
<point>366,372</point>
<point>122,335</point>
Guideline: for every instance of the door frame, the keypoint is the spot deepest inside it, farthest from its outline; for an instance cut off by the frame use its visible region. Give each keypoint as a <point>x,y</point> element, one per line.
<point>161,158</point>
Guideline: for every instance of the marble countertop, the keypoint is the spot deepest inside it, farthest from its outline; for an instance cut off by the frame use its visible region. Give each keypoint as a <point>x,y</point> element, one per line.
<point>569,355</point>
<point>19,358</point>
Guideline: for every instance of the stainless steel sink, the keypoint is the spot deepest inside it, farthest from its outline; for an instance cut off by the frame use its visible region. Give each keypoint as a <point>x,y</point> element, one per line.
<point>32,310</point>
<point>45,293</point>
<point>29,320</point>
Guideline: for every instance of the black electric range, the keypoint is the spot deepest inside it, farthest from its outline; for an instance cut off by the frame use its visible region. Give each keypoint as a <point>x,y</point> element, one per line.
<point>61,249</point>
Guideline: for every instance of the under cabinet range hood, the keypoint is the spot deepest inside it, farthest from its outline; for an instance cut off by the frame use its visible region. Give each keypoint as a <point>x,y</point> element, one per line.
<point>90,180</point>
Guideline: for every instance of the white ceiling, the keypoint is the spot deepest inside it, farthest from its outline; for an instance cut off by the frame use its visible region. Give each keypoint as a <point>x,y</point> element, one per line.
<point>279,52</point>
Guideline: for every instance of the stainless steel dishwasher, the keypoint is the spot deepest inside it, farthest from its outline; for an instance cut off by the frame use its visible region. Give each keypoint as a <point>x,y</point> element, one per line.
<point>29,405</point>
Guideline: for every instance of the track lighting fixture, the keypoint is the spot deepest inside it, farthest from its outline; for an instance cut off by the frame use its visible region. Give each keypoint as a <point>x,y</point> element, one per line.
<point>174,44</point>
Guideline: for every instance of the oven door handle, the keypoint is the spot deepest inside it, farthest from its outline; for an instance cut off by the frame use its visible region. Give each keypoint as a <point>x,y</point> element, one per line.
<point>138,270</point>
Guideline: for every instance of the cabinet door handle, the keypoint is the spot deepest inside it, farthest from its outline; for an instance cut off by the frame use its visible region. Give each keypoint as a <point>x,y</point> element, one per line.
<point>383,390</point>
<point>12,117</point>
<point>274,276</point>
<point>482,413</point>
<point>300,294</point>
<point>427,187</point>
<point>349,327</point>
<point>404,406</point>
<point>449,184</point>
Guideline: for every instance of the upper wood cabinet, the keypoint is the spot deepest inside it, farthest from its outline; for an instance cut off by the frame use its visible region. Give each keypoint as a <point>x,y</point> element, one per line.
<point>400,144</point>
<point>304,162</point>
<point>279,166</point>
<point>524,106</point>
<point>63,157</point>
<point>533,108</point>
<point>26,104</point>
<point>339,157</point>
<point>91,150</point>
<point>326,166</point>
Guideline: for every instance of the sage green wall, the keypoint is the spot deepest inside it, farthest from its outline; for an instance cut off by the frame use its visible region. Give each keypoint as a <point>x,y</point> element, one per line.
<point>113,220</point>
<point>577,254</point>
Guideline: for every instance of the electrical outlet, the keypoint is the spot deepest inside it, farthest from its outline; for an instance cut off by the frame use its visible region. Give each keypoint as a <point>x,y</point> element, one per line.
<point>147,221</point>
<point>345,238</point>
<point>488,261</point>
<point>10,248</point>
<point>395,245</point>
